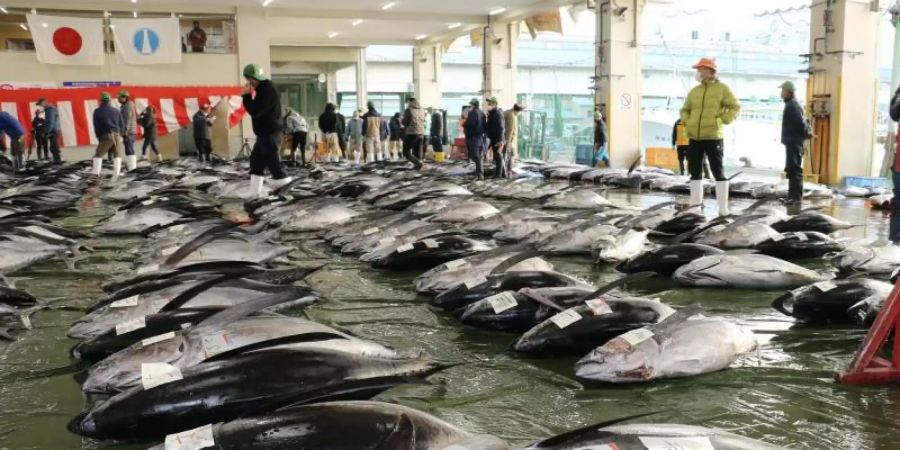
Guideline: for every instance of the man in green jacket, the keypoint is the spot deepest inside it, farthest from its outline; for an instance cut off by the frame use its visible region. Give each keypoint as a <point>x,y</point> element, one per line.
<point>707,109</point>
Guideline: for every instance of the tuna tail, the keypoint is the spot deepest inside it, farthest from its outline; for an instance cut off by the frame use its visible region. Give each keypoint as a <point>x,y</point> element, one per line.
<point>246,308</point>
<point>571,435</point>
<point>735,175</point>
<point>778,304</point>
<point>4,334</point>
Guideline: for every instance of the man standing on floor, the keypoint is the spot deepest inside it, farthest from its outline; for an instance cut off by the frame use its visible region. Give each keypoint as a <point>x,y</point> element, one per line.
<point>148,123</point>
<point>108,127</point>
<point>894,228</point>
<point>601,141</point>
<point>494,129</point>
<point>39,135</point>
<point>475,139</point>
<point>708,107</point>
<point>371,131</point>
<point>11,127</point>
<point>437,134</point>
<point>263,103</point>
<point>414,127</point>
<point>328,123</point>
<point>511,119</point>
<point>396,135</point>
<point>129,118</point>
<point>203,123</point>
<point>354,136</point>
<point>296,128</point>
<point>52,127</point>
<point>794,132</point>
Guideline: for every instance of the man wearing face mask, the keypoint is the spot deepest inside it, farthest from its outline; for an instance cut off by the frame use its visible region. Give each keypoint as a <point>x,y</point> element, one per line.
<point>707,109</point>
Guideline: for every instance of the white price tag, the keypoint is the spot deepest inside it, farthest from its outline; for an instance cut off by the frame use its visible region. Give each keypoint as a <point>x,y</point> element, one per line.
<point>196,439</point>
<point>394,195</point>
<point>502,301</point>
<point>168,251</point>
<point>778,237</point>
<point>176,228</point>
<point>158,338</point>
<point>635,337</point>
<point>474,282</point>
<point>405,248</point>
<point>566,318</point>
<point>155,374</point>
<point>455,264</point>
<point>148,269</point>
<point>431,243</point>
<point>130,325</point>
<point>216,344</point>
<point>825,286</point>
<point>125,303</point>
<point>677,443</point>
<point>386,241</point>
<point>598,307</point>
<point>369,231</point>
<point>801,237</point>
<point>717,228</point>
<point>147,202</point>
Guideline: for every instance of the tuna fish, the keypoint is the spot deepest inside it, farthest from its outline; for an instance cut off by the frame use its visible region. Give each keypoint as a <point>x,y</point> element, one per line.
<point>831,301</point>
<point>666,260</point>
<point>745,271</point>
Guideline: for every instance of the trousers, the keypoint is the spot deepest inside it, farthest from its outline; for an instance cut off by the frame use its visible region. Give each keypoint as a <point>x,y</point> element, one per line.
<point>713,151</point>
<point>204,148</point>
<point>265,156</point>
<point>128,142</point>
<point>149,141</point>
<point>298,140</point>
<point>53,140</point>
<point>793,169</point>
<point>108,144</point>
<point>476,153</point>
<point>411,145</point>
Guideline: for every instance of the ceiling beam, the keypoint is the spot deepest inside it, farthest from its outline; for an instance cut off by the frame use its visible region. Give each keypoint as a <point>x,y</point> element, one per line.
<point>47,6</point>
<point>376,15</point>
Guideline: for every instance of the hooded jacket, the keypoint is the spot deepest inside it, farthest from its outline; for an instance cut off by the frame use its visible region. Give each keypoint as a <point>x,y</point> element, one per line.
<point>371,124</point>
<point>355,128</point>
<point>264,109</point>
<point>396,129</point>
<point>707,109</point>
<point>328,120</point>
<point>495,128</point>
<point>414,119</point>
<point>474,125</point>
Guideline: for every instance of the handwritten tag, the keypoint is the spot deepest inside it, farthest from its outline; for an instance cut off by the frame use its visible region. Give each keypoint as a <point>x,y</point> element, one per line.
<point>148,269</point>
<point>130,325</point>
<point>825,286</point>
<point>676,443</point>
<point>176,228</point>
<point>369,231</point>
<point>157,374</point>
<point>474,282</point>
<point>717,228</point>
<point>405,248</point>
<point>431,243</point>
<point>598,307</point>
<point>566,318</point>
<point>125,303</point>
<point>778,237</point>
<point>455,264</point>
<point>196,439</point>
<point>635,337</point>
<point>216,344</point>
<point>147,202</point>
<point>158,338</point>
<point>502,301</point>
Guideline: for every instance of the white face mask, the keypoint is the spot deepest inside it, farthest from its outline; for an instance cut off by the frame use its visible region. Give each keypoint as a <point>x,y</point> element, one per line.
<point>698,76</point>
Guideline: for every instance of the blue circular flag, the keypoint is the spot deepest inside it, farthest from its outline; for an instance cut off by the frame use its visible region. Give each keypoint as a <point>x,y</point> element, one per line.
<point>146,41</point>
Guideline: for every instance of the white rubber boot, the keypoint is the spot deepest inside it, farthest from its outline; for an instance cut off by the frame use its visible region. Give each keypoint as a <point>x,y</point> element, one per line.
<point>96,166</point>
<point>279,183</point>
<point>722,198</point>
<point>379,157</point>
<point>356,157</point>
<point>117,167</point>
<point>256,185</point>
<point>130,162</point>
<point>696,193</point>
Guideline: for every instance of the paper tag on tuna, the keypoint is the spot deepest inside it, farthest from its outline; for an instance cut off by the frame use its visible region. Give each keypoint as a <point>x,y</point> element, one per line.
<point>455,264</point>
<point>216,343</point>
<point>825,286</point>
<point>717,228</point>
<point>598,307</point>
<point>158,338</point>
<point>778,237</point>
<point>393,195</point>
<point>168,251</point>
<point>677,443</point>
<point>566,318</point>
<point>125,303</point>
<point>155,374</point>
<point>148,269</point>
<point>405,248</point>
<point>502,301</point>
<point>176,228</point>
<point>130,325</point>
<point>369,231</point>
<point>801,237</point>
<point>474,282</point>
<point>431,243</point>
<point>196,439</point>
<point>147,202</point>
<point>635,337</point>
<point>386,241</point>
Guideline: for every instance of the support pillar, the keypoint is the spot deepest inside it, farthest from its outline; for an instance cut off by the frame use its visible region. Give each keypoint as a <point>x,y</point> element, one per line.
<point>361,79</point>
<point>331,86</point>
<point>427,74</point>
<point>617,78</point>
<point>890,145</point>
<point>843,87</point>
<point>252,48</point>
<point>499,63</point>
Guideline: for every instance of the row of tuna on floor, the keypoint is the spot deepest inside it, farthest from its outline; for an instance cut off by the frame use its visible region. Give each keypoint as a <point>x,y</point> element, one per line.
<point>192,322</point>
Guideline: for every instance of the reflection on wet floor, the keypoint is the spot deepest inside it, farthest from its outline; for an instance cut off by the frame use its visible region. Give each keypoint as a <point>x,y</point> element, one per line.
<point>783,393</point>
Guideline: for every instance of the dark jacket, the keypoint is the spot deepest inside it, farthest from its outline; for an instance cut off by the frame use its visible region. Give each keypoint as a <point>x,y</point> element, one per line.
<point>894,107</point>
<point>414,120</point>
<point>147,120</point>
<point>793,127</point>
<point>202,126</point>
<point>437,124</point>
<point>108,119</point>
<point>37,127</point>
<point>341,125</point>
<point>396,129</point>
<point>495,129</point>
<point>599,133</point>
<point>51,119</point>
<point>328,121</point>
<point>474,125</point>
<point>10,126</point>
<point>264,109</point>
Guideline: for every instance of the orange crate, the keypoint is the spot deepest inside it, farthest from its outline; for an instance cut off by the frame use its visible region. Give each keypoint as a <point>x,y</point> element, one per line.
<point>664,157</point>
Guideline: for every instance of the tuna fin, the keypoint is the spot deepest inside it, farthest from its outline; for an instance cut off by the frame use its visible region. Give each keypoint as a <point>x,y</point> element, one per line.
<point>616,283</point>
<point>690,234</point>
<point>403,435</point>
<point>294,339</point>
<point>634,165</point>
<point>513,260</point>
<point>735,175</point>
<point>4,334</point>
<point>185,296</point>
<point>677,317</point>
<point>527,292</point>
<point>560,439</point>
<point>253,306</point>
<point>778,304</point>
<point>747,219</point>
<point>204,238</point>
<point>756,205</point>
<point>658,206</point>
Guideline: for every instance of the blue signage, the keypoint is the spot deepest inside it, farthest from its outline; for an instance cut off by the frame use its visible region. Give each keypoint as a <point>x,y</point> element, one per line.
<point>91,83</point>
<point>145,41</point>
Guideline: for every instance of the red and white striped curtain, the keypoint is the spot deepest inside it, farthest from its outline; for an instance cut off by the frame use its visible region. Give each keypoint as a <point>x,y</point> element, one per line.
<point>174,107</point>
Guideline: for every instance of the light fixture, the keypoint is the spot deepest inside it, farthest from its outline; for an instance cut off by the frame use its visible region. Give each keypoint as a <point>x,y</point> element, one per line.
<point>34,10</point>
<point>266,3</point>
<point>356,22</point>
<point>421,36</point>
<point>23,26</point>
<point>134,14</point>
<point>332,35</point>
<point>4,10</point>
<point>388,6</point>
<point>45,24</point>
<point>112,27</point>
<point>453,26</point>
<point>496,11</point>
<point>133,1</point>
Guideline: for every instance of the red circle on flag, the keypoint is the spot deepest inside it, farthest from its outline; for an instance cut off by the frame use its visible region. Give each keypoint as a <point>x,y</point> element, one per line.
<point>67,41</point>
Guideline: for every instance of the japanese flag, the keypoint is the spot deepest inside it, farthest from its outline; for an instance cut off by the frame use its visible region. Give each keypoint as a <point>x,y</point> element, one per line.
<point>67,40</point>
<point>147,41</point>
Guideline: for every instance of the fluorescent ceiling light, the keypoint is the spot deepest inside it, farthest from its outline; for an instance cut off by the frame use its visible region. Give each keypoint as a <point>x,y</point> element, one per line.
<point>33,10</point>
<point>133,1</point>
<point>45,24</point>
<point>356,22</point>
<point>332,35</point>
<point>134,14</point>
<point>4,10</point>
<point>23,26</point>
<point>266,3</point>
<point>421,36</point>
<point>454,25</point>
<point>388,6</point>
<point>496,11</point>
